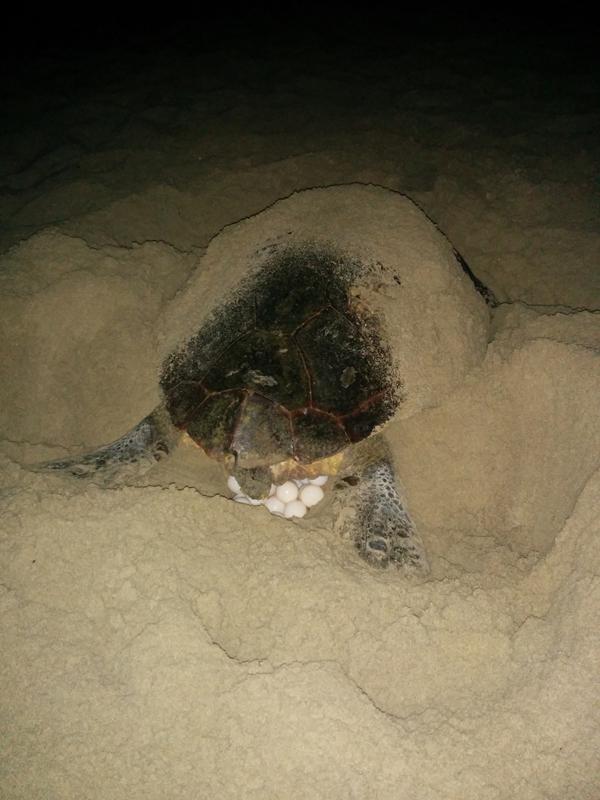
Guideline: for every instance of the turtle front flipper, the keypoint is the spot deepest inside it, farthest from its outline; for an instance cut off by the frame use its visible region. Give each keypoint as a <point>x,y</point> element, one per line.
<point>149,441</point>
<point>373,515</point>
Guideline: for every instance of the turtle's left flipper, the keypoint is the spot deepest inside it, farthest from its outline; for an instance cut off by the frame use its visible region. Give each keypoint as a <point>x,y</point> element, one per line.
<point>140,448</point>
<point>373,515</point>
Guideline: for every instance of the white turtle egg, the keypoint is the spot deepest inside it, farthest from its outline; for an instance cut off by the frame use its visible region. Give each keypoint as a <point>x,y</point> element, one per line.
<point>320,481</point>
<point>311,495</point>
<point>295,508</point>
<point>274,505</point>
<point>233,485</point>
<point>287,492</point>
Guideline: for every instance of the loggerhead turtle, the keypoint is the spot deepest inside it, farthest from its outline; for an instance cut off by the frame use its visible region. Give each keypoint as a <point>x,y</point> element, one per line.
<point>290,377</point>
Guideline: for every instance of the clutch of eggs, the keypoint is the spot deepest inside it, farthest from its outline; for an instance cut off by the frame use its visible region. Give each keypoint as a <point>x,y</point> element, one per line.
<point>290,499</point>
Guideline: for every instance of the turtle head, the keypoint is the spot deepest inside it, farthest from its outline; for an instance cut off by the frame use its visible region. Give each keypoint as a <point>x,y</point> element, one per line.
<point>254,481</point>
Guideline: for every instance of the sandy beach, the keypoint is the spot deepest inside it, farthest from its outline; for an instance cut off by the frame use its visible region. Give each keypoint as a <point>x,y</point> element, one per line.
<point>160,641</point>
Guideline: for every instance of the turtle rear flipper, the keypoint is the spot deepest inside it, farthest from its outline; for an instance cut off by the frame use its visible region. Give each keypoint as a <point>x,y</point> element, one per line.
<point>150,440</point>
<point>373,515</point>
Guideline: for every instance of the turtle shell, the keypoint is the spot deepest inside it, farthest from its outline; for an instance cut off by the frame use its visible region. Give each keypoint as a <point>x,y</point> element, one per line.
<point>288,368</point>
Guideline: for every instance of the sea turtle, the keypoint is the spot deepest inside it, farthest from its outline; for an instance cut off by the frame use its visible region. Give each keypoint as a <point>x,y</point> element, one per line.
<point>290,376</point>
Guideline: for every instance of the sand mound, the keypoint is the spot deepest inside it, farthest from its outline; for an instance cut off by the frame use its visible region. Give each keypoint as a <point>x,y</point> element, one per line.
<point>158,638</point>
<point>77,329</point>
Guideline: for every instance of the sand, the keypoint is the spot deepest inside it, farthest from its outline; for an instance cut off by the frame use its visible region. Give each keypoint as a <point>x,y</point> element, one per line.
<point>159,640</point>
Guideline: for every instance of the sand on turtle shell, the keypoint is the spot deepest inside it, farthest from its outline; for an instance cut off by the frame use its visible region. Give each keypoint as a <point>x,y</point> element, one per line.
<point>160,642</point>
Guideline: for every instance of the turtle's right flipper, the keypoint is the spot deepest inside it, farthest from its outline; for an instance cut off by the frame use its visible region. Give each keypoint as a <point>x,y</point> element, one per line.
<point>150,440</point>
<point>373,514</point>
